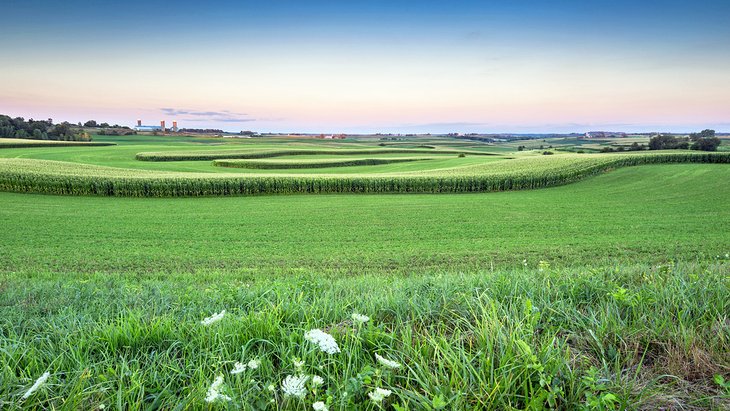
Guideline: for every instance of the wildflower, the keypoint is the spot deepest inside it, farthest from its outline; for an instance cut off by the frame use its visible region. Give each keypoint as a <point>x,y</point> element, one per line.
<point>214,391</point>
<point>360,318</point>
<point>271,387</point>
<point>298,364</point>
<point>294,386</point>
<point>102,406</point>
<point>320,406</point>
<point>317,380</point>
<point>238,368</point>
<point>325,341</point>
<point>524,262</point>
<point>213,318</point>
<point>40,381</point>
<point>386,362</point>
<point>254,364</point>
<point>379,394</point>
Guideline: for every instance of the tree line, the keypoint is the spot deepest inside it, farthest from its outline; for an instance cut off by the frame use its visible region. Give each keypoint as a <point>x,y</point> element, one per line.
<point>40,129</point>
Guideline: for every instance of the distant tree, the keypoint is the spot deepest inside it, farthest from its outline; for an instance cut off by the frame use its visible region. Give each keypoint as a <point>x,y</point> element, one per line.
<point>667,142</point>
<point>90,123</point>
<point>61,130</point>
<point>104,125</point>
<point>706,133</point>
<point>706,144</point>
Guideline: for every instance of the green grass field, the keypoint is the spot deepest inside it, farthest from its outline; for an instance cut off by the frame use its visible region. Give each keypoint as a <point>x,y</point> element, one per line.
<point>607,292</point>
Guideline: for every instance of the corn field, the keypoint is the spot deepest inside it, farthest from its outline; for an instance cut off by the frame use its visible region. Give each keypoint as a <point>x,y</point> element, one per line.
<point>63,178</point>
<point>238,154</point>
<point>281,164</point>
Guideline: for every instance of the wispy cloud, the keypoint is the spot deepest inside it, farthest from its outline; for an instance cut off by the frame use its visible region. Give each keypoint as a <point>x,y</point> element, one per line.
<point>223,116</point>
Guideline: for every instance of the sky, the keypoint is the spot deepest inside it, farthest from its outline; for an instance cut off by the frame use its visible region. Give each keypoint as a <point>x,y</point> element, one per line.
<point>395,66</point>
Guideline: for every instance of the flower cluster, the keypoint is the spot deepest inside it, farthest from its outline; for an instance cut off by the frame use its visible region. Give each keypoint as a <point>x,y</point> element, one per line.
<point>213,318</point>
<point>324,341</point>
<point>386,362</point>
<point>295,386</point>
<point>379,394</point>
<point>359,318</point>
<point>214,391</point>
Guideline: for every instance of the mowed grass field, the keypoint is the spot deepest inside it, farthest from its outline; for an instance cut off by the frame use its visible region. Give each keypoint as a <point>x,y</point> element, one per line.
<point>603,294</point>
<point>646,213</point>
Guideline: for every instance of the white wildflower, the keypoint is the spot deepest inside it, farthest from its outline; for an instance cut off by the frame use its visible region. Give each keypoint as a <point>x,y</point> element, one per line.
<point>213,318</point>
<point>386,362</point>
<point>320,406</point>
<point>102,406</point>
<point>325,341</point>
<point>379,395</point>
<point>271,387</point>
<point>254,364</point>
<point>298,364</point>
<point>360,318</point>
<point>238,368</point>
<point>294,386</point>
<point>40,381</point>
<point>524,262</point>
<point>317,380</point>
<point>214,391</point>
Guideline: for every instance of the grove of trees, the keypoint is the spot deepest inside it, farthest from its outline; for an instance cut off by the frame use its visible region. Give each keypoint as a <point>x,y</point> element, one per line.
<point>39,129</point>
<point>705,140</point>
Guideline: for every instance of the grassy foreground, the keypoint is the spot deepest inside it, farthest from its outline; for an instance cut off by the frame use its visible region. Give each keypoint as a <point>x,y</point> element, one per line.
<point>627,337</point>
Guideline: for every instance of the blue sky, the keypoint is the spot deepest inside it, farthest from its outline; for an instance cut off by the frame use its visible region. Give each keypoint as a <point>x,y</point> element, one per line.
<point>397,66</point>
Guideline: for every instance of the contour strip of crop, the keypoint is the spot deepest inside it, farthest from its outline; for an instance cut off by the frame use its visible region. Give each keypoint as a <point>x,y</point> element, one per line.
<point>238,154</point>
<point>285,164</point>
<point>63,178</point>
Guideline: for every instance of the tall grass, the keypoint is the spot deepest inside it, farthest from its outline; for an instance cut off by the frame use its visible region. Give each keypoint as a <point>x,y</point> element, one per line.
<point>51,177</point>
<point>627,337</point>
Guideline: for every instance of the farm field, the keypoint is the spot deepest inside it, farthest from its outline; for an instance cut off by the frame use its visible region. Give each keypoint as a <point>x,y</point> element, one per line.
<point>606,289</point>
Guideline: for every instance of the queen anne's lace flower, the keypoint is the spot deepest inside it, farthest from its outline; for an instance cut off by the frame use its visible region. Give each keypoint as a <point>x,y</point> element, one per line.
<point>40,381</point>
<point>294,386</point>
<point>254,364</point>
<point>324,341</point>
<point>213,318</point>
<point>214,391</point>
<point>317,380</point>
<point>238,368</point>
<point>379,394</point>
<point>320,406</point>
<point>386,362</point>
<point>360,318</point>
